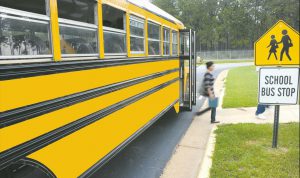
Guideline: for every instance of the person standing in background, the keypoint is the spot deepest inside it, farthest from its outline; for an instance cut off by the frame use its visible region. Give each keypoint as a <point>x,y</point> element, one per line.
<point>261,108</point>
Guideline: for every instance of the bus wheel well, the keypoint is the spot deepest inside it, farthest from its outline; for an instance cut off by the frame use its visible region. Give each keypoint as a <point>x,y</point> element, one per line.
<point>26,168</point>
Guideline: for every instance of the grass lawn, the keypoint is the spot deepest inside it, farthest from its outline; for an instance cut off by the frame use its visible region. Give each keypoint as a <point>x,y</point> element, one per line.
<point>241,87</point>
<point>244,150</point>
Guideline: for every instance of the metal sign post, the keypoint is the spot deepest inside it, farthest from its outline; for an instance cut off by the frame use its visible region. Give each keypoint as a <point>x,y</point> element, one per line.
<point>275,126</point>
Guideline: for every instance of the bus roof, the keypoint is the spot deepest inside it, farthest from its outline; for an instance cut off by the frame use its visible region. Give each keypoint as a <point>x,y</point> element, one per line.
<point>145,4</point>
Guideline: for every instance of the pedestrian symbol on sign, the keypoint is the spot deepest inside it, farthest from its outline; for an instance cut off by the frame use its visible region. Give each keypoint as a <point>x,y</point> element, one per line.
<point>282,43</point>
<point>274,46</point>
<point>287,43</point>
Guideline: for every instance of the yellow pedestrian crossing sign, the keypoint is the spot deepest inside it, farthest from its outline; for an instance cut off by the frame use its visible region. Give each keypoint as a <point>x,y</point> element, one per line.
<point>279,46</point>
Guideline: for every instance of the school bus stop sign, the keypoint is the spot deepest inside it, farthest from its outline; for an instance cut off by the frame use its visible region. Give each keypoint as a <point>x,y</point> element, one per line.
<point>279,46</point>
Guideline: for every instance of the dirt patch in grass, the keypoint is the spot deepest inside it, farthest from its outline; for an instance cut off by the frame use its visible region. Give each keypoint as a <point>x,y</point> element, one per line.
<point>277,151</point>
<point>252,142</point>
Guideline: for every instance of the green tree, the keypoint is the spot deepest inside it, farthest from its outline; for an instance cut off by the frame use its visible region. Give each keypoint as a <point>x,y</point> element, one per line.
<point>231,24</point>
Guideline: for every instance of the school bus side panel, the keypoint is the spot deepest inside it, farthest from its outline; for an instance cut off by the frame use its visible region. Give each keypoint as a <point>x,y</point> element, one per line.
<point>19,133</point>
<point>85,147</point>
<point>25,91</point>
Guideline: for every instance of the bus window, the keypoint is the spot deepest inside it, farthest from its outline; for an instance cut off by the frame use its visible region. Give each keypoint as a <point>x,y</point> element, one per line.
<point>35,6</point>
<point>114,30</point>
<point>174,43</point>
<point>78,40</point>
<point>112,17</point>
<point>77,27</point>
<point>153,39</point>
<point>78,10</point>
<point>137,40</point>
<point>184,44</point>
<point>166,41</point>
<point>24,34</point>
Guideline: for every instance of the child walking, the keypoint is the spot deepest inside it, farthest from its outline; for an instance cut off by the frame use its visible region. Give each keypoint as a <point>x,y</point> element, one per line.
<point>274,46</point>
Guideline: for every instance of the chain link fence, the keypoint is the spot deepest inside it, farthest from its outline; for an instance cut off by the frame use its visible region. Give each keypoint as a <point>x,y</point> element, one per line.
<point>225,55</point>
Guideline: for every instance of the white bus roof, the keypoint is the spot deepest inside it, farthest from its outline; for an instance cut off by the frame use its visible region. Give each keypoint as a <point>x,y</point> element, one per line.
<point>145,4</point>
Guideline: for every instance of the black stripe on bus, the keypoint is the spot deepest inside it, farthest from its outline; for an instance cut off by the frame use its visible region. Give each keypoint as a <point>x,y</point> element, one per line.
<point>14,71</point>
<point>119,148</point>
<point>21,114</point>
<point>26,148</point>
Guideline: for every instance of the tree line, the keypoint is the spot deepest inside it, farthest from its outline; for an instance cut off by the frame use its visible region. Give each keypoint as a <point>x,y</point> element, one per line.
<point>231,24</point>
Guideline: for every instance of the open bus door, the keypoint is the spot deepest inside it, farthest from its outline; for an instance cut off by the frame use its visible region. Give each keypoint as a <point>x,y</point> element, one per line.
<point>187,69</point>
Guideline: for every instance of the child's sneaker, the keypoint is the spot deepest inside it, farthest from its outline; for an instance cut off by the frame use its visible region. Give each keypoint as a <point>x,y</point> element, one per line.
<point>261,116</point>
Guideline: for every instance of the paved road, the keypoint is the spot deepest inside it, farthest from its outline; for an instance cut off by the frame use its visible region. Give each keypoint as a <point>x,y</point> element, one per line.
<point>147,156</point>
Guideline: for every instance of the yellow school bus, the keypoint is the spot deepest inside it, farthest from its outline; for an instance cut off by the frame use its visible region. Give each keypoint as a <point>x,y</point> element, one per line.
<point>80,79</point>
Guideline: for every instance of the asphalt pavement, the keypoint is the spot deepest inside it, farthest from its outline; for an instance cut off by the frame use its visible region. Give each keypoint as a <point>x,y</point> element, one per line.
<point>147,155</point>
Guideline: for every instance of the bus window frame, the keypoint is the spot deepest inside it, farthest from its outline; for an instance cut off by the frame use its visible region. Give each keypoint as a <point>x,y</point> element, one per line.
<point>141,20</point>
<point>177,37</point>
<point>116,31</point>
<point>71,25</point>
<point>24,16</point>
<point>163,40</point>
<point>81,25</point>
<point>151,39</point>
<point>18,12</point>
